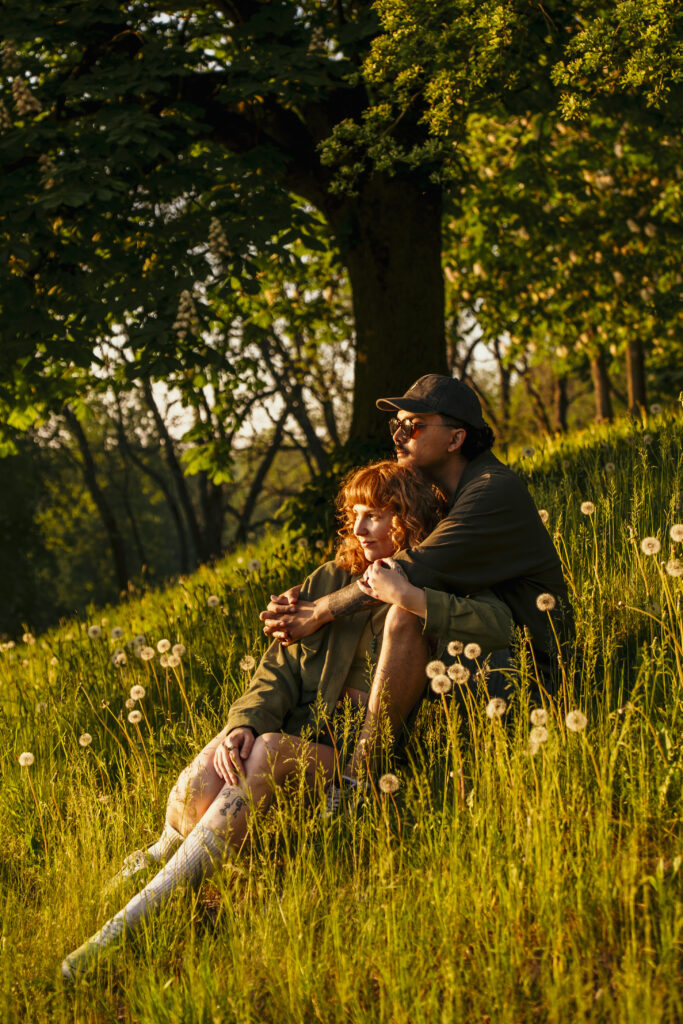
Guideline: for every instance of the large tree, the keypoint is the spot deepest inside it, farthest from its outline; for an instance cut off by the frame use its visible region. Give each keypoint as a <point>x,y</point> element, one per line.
<point>130,130</point>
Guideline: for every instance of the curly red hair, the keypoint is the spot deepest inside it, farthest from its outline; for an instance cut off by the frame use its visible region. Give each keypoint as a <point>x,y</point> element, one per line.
<point>417,508</point>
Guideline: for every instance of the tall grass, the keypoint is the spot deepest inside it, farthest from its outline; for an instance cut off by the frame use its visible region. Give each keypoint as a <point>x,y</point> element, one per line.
<point>497,884</point>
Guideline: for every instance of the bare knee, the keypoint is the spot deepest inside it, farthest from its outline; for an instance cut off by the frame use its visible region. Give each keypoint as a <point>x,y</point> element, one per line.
<point>264,753</point>
<point>399,621</point>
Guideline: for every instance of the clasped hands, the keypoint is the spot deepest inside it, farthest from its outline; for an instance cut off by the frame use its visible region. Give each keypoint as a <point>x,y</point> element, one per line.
<point>288,619</point>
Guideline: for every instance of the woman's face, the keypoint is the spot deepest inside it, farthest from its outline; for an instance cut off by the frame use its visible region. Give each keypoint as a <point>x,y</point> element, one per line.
<point>372,527</point>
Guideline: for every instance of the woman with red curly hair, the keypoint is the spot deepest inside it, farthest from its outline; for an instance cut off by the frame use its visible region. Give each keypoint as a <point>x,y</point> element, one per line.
<point>295,713</point>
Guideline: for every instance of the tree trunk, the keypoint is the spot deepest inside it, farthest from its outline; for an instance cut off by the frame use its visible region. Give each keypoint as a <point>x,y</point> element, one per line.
<point>504,375</point>
<point>635,375</point>
<point>118,548</point>
<point>560,403</point>
<point>176,472</point>
<point>390,241</point>
<point>213,515</point>
<point>127,451</point>
<point>601,388</point>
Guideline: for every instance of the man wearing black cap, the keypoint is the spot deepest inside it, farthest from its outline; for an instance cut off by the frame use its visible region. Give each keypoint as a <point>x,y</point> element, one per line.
<point>492,538</point>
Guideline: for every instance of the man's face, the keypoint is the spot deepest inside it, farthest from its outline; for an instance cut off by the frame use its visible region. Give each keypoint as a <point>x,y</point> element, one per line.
<point>431,444</point>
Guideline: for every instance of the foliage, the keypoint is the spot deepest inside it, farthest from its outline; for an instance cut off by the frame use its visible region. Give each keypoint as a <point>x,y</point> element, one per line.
<point>496,883</point>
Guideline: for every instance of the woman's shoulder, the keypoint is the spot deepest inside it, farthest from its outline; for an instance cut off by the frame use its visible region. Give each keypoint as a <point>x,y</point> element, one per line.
<point>327,577</point>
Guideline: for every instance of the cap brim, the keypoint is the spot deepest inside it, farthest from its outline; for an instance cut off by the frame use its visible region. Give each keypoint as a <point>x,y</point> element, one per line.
<point>405,404</point>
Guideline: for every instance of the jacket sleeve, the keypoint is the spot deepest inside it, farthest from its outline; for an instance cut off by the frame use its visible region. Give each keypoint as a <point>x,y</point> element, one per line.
<point>272,694</point>
<point>483,619</point>
<point>275,688</point>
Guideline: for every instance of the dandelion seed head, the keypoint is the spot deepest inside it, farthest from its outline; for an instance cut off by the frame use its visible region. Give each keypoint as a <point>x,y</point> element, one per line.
<point>650,546</point>
<point>459,674</point>
<point>544,515</point>
<point>118,658</point>
<point>145,653</point>
<point>647,439</point>
<point>85,739</point>
<point>676,532</point>
<point>163,646</point>
<point>179,650</point>
<point>116,633</point>
<point>496,707</point>
<point>29,639</point>
<point>610,468</point>
<point>435,668</point>
<point>533,747</point>
<point>253,565</point>
<point>655,409</point>
<point>139,641</point>
<point>302,542</point>
<point>539,716</point>
<point>213,601</point>
<point>674,567</point>
<point>441,684</point>
<point>137,692</point>
<point>545,602</point>
<point>472,651</point>
<point>320,544</point>
<point>173,660</point>
<point>54,660</point>
<point>576,721</point>
<point>134,717</point>
<point>455,648</point>
<point>528,452</point>
<point>247,663</point>
<point>389,783</point>
<point>163,660</point>
<point>587,508</point>
<point>94,632</point>
<point>539,734</point>
<point>130,703</point>
<point>25,663</point>
<point>26,759</point>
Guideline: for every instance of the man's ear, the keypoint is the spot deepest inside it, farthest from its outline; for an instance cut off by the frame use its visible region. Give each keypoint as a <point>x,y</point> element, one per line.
<point>457,440</point>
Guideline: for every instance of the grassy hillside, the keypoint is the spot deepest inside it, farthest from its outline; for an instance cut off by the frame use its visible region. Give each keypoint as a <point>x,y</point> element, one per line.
<point>546,886</point>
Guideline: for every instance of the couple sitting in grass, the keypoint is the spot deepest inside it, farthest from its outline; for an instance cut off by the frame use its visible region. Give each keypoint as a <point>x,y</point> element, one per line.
<point>452,579</point>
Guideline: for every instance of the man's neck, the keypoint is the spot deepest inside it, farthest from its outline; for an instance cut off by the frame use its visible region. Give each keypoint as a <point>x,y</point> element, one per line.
<point>448,476</point>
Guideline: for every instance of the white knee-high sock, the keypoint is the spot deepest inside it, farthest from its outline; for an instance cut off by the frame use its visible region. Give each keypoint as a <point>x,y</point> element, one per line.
<point>158,853</point>
<point>167,843</point>
<point>196,857</point>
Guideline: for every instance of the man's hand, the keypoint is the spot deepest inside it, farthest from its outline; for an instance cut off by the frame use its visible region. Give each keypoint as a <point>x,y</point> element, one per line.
<point>289,626</point>
<point>386,581</point>
<point>232,753</point>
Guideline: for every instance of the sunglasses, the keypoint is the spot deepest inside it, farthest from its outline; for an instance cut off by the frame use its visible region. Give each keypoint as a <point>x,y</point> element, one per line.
<point>407,428</point>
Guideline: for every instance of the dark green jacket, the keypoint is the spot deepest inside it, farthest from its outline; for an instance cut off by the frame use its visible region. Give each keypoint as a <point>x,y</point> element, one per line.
<point>493,539</point>
<point>288,680</point>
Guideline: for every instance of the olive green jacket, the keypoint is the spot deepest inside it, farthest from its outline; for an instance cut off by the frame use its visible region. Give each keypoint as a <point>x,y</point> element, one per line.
<point>292,685</point>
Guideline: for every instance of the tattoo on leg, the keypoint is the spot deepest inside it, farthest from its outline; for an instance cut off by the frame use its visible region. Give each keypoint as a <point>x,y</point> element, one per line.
<point>233,804</point>
<point>350,599</point>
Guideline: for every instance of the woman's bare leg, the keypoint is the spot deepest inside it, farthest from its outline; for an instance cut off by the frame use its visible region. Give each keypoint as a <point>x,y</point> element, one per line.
<point>220,833</point>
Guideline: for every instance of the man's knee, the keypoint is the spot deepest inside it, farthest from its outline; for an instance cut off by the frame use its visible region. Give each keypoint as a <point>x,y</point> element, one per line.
<point>399,621</point>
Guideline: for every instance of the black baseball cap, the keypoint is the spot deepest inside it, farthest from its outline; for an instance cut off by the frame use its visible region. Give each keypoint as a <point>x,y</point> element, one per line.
<point>436,393</point>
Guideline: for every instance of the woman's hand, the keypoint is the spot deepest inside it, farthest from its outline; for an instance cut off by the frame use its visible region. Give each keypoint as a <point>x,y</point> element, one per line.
<point>232,753</point>
<point>386,581</point>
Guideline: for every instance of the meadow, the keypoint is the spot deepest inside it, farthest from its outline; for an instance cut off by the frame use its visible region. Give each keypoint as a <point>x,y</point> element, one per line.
<point>513,876</point>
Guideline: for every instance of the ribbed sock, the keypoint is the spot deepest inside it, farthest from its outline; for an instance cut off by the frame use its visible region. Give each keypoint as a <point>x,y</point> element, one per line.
<point>196,857</point>
<point>201,852</point>
<point>167,844</point>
